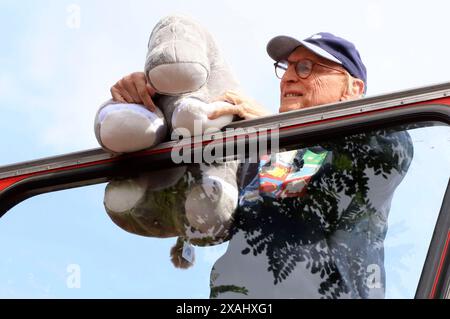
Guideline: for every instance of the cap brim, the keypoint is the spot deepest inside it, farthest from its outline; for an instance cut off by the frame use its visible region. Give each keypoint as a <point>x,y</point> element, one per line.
<point>280,47</point>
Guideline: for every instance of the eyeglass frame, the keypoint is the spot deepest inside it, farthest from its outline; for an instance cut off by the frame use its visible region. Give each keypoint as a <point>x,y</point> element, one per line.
<point>276,65</point>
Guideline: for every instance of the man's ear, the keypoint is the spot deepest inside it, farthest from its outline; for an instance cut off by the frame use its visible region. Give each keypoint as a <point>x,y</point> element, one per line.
<point>359,87</point>
<point>355,89</point>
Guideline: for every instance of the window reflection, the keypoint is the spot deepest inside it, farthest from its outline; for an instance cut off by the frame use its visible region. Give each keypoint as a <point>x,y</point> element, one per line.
<point>349,217</point>
<point>339,236</point>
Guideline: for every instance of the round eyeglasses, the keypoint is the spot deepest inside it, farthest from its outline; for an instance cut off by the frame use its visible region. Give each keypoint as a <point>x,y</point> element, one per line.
<point>303,68</point>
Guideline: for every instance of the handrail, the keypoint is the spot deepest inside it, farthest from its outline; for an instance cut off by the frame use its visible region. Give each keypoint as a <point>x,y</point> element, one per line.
<point>304,116</point>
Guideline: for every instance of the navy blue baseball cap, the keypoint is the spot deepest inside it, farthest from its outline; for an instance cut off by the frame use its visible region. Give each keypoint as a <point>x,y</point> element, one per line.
<point>326,45</point>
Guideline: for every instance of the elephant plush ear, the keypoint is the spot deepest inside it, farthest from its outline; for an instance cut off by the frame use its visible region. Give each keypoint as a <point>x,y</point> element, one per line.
<point>182,254</point>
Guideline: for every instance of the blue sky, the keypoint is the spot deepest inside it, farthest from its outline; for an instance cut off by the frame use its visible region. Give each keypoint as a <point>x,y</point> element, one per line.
<point>54,76</point>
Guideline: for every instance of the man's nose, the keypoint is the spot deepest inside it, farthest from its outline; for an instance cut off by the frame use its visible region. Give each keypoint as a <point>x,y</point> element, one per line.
<point>290,75</point>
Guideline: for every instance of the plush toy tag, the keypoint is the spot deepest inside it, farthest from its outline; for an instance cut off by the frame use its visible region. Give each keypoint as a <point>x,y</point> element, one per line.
<point>188,252</point>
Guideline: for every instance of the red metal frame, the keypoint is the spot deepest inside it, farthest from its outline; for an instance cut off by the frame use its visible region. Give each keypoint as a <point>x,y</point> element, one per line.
<point>9,181</point>
<point>444,254</point>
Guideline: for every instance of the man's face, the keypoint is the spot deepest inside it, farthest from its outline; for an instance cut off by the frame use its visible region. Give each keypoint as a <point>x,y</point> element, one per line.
<point>321,87</point>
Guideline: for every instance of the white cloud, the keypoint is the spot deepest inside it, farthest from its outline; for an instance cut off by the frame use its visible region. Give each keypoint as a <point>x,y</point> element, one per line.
<point>75,80</point>
<point>374,16</point>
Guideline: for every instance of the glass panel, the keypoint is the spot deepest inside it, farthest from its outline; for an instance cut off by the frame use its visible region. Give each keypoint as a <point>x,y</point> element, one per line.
<point>415,207</point>
<point>350,217</point>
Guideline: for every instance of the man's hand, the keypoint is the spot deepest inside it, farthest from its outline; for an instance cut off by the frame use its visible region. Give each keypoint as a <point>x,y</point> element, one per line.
<point>134,88</point>
<point>241,106</point>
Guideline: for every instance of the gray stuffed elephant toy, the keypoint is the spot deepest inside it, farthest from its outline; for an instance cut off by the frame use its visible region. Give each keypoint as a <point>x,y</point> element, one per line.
<point>194,202</point>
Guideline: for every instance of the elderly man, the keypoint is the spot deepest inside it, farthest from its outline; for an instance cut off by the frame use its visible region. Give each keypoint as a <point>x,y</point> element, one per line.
<point>322,238</point>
